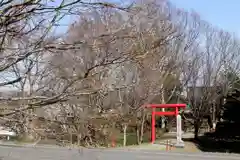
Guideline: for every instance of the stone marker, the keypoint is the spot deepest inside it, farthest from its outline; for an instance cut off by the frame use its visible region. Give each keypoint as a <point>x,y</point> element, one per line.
<point>180,142</point>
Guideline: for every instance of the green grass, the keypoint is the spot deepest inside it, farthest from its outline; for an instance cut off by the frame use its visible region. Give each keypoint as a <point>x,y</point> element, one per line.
<point>131,139</point>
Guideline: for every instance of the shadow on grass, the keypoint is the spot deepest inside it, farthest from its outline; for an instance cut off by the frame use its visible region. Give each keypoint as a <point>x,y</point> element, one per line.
<point>209,143</point>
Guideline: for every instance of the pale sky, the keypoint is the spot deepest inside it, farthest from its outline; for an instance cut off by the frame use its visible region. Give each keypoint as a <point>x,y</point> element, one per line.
<point>222,13</point>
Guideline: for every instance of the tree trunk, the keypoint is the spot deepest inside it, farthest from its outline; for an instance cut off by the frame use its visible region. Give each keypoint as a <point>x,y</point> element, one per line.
<point>28,134</point>
<point>124,134</point>
<point>197,124</point>
<point>138,136</point>
<point>163,109</point>
<point>142,128</point>
<point>79,136</point>
<point>71,139</point>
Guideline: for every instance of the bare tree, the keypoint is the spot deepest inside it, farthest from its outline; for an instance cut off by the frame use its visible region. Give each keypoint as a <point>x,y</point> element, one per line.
<point>206,86</point>
<point>112,61</point>
<point>103,64</point>
<point>25,29</point>
<point>27,43</point>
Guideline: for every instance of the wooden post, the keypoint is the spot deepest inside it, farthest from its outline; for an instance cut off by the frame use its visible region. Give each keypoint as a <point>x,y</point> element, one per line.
<point>113,143</point>
<point>167,145</point>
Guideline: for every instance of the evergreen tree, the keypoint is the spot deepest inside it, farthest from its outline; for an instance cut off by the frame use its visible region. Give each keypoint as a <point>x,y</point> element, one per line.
<point>230,127</point>
<point>231,108</point>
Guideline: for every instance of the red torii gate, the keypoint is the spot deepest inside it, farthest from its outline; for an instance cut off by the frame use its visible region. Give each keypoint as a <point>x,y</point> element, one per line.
<point>169,113</point>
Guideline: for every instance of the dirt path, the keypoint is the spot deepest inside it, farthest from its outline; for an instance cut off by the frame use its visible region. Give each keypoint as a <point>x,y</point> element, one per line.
<point>160,144</point>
